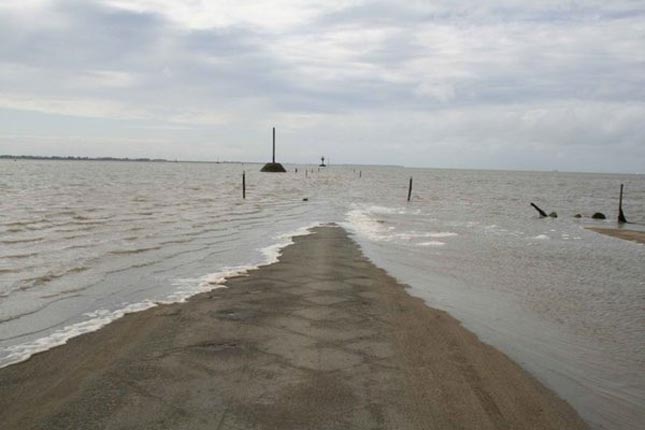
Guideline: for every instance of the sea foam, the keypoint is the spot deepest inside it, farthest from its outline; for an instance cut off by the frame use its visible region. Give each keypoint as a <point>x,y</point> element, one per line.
<point>184,289</point>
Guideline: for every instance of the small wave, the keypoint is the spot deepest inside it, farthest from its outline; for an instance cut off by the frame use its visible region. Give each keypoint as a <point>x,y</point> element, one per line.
<point>24,223</point>
<point>79,246</point>
<point>133,266</point>
<point>74,236</point>
<point>88,222</point>
<point>64,213</point>
<point>135,251</point>
<point>431,243</point>
<point>44,279</point>
<point>14,241</point>
<point>20,256</point>
<point>75,227</point>
<point>17,223</point>
<point>60,298</point>
<point>415,235</point>
<point>186,288</point>
<point>273,252</point>
<point>15,317</point>
<point>361,221</point>
<point>443,234</point>
<point>542,237</point>
<point>384,210</point>
<point>19,353</point>
<point>176,241</point>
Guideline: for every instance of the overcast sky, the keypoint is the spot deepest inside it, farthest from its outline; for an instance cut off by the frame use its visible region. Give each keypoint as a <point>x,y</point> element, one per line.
<point>511,84</point>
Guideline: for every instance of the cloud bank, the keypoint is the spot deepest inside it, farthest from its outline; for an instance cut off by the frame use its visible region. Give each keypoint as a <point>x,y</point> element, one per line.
<point>470,84</point>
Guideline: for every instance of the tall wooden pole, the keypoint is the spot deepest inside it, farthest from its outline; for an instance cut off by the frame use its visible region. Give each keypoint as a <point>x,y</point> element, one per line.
<point>621,215</point>
<point>410,190</point>
<point>244,185</point>
<point>273,145</point>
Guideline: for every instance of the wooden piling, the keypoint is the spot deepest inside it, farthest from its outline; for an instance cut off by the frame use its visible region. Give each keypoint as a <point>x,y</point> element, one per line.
<point>540,211</point>
<point>410,190</point>
<point>273,166</point>
<point>621,215</point>
<point>360,173</point>
<point>244,185</point>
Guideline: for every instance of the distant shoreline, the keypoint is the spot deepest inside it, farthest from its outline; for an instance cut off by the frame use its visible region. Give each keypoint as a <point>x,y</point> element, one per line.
<point>163,160</point>
<point>314,164</point>
<point>75,158</point>
<point>139,160</point>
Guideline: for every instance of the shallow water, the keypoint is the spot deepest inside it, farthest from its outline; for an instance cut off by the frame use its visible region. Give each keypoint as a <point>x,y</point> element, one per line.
<point>82,243</point>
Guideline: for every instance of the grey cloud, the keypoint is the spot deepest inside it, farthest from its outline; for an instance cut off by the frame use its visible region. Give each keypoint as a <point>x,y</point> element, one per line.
<point>88,34</point>
<point>502,79</point>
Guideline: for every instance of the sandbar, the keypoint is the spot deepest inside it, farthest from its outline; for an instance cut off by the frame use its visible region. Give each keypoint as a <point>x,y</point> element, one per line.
<point>620,233</point>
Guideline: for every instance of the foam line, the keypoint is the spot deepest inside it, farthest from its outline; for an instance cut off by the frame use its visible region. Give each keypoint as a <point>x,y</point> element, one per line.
<point>185,288</point>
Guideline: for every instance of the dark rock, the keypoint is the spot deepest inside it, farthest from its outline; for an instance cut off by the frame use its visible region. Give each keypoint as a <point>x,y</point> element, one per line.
<point>553,214</point>
<point>273,167</point>
<point>598,215</point>
<point>306,199</point>
<point>577,216</point>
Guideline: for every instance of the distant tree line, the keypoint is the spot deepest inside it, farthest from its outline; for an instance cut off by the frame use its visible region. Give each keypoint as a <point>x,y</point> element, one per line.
<point>42,157</point>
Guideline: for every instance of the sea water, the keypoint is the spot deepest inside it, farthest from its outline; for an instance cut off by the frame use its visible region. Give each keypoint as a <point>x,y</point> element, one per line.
<point>84,242</point>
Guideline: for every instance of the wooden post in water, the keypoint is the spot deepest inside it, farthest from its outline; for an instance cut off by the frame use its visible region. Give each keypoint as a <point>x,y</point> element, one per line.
<point>360,173</point>
<point>621,215</point>
<point>410,189</point>
<point>244,185</point>
<point>540,211</point>
<point>273,145</point>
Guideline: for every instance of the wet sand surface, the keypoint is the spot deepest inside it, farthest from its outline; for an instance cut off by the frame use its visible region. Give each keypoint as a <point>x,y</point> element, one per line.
<point>321,340</point>
<point>619,233</point>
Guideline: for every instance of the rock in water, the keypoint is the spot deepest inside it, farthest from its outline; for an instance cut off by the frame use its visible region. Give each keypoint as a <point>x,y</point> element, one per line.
<point>598,215</point>
<point>553,214</point>
<point>273,167</point>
